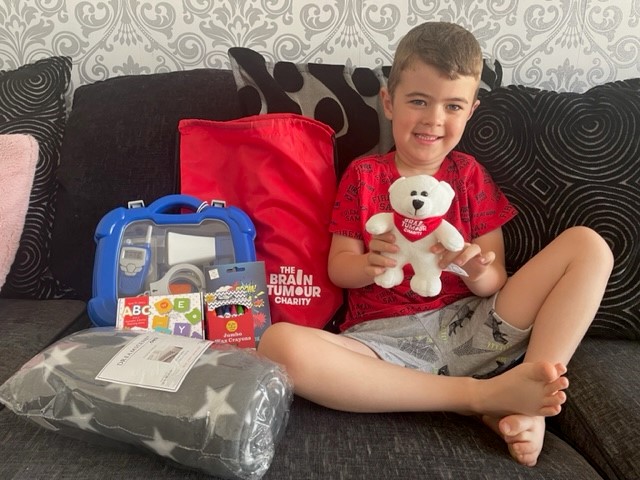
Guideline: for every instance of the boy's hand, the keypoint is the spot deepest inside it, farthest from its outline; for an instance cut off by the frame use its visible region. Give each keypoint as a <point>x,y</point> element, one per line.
<point>376,262</point>
<point>471,259</point>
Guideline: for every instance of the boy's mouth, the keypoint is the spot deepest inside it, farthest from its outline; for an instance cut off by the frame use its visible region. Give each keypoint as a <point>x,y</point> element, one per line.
<point>426,138</point>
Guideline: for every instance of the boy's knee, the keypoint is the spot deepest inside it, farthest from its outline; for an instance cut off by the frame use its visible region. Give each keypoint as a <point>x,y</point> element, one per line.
<point>282,344</point>
<point>589,242</point>
<point>276,338</point>
<point>270,336</point>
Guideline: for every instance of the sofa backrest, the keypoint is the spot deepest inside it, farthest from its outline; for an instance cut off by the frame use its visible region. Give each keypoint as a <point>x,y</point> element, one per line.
<point>564,159</point>
<point>567,159</point>
<point>119,145</point>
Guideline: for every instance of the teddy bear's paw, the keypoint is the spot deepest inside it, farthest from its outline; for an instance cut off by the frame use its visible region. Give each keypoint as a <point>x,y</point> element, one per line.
<point>375,228</point>
<point>390,278</point>
<point>377,224</point>
<point>454,244</point>
<point>426,287</point>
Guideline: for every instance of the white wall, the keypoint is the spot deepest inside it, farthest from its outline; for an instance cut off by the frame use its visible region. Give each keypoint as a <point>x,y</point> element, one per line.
<point>560,45</point>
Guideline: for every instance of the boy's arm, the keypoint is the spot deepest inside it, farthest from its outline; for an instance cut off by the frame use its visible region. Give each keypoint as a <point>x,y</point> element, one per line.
<point>483,260</point>
<point>486,269</point>
<point>351,267</point>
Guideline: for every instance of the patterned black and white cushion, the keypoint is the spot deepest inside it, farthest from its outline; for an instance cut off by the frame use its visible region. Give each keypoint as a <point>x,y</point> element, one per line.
<point>345,98</point>
<point>32,101</point>
<point>567,159</point>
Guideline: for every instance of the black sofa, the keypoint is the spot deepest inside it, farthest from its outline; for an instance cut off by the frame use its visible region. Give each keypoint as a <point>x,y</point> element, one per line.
<point>563,158</point>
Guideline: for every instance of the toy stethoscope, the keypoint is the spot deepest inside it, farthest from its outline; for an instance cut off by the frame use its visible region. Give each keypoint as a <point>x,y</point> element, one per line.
<point>183,273</point>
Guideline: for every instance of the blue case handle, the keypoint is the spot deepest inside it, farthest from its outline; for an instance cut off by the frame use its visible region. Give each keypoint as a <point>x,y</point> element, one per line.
<point>162,204</point>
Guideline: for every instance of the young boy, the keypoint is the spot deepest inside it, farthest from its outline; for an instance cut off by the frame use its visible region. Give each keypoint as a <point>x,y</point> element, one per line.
<point>398,351</point>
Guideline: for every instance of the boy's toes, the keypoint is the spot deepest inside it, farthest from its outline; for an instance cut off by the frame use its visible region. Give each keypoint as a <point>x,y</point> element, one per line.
<point>561,368</point>
<point>550,373</point>
<point>524,453</point>
<point>550,411</point>
<point>513,425</point>
<point>561,383</point>
<point>524,437</point>
<point>547,372</point>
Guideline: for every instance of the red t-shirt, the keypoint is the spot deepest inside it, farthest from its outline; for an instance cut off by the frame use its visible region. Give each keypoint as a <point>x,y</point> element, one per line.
<point>478,208</point>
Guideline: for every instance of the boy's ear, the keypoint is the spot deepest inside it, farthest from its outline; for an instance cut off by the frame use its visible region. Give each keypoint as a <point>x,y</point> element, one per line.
<point>473,108</point>
<point>387,103</point>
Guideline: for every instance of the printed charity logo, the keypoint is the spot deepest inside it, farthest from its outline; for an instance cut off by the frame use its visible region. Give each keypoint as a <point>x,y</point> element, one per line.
<point>292,287</point>
<point>413,227</point>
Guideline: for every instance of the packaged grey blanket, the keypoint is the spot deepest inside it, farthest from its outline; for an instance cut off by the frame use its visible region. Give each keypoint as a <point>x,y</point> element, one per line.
<point>228,411</point>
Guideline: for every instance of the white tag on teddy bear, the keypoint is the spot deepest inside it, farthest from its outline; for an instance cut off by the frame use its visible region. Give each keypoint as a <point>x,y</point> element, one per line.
<point>453,268</point>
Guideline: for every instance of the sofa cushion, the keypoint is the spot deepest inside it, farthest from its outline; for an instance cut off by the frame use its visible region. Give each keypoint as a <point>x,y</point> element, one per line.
<point>18,158</point>
<point>284,164</point>
<point>32,452</point>
<point>319,444</point>
<point>120,145</point>
<point>602,412</point>
<point>32,101</point>
<point>342,97</point>
<point>322,443</point>
<point>28,326</point>
<point>568,159</point>
<point>345,98</point>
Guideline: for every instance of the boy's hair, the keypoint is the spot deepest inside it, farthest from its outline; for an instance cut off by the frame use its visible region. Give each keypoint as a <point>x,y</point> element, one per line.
<point>448,47</point>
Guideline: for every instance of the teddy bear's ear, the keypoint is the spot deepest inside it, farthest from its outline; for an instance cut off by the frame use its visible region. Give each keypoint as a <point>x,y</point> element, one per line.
<point>396,183</point>
<point>445,189</point>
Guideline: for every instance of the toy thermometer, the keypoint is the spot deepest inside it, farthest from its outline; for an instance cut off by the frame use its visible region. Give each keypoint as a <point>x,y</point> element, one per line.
<point>134,267</point>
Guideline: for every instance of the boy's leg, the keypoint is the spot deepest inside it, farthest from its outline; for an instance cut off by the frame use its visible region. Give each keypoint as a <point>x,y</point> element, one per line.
<point>342,373</point>
<point>558,292</point>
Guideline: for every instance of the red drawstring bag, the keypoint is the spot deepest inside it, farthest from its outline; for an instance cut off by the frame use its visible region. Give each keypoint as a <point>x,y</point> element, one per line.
<point>278,168</point>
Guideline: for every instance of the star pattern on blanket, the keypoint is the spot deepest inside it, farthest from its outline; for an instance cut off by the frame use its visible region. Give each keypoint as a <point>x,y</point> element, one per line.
<point>80,420</point>
<point>56,358</point>
<point>120,388</point>
<point>161,445</point>
<point>215,403</point>
<point>213,358</point>
<point>228,407</point>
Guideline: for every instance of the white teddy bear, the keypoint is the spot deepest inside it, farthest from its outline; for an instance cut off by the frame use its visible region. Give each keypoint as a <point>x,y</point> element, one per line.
<point>419,203</point>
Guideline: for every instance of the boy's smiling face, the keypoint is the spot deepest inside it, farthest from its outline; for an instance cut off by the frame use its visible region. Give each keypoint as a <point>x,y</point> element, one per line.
<point>428,112</point>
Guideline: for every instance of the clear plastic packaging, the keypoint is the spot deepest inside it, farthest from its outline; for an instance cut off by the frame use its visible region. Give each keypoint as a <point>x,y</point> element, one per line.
<point>225,419</point>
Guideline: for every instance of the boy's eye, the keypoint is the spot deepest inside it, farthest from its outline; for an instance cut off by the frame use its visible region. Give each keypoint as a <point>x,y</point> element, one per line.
<point>454,107</point>
<point>418,102</point>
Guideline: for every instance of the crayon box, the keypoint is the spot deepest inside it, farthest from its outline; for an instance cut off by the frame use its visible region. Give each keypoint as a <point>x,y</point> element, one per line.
<point>236,304</point>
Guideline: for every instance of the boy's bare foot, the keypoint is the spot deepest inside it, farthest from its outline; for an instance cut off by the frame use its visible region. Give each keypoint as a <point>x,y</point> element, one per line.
<point>524,436</point>
<point>532,389</point>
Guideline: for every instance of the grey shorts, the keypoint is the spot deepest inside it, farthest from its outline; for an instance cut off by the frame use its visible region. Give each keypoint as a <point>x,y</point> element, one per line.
<point>466,338</point>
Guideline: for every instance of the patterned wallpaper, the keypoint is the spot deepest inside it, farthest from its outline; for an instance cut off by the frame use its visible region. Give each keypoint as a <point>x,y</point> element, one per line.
<point>566,45</point>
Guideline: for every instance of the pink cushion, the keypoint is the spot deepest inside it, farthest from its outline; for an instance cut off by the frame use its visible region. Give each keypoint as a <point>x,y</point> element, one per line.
<point>18,157</point>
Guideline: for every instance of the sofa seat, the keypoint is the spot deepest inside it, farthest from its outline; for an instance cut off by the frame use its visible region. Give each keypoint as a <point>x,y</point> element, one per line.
<point>28,326</point>
<point>604,377</point>
<point>319,443</point>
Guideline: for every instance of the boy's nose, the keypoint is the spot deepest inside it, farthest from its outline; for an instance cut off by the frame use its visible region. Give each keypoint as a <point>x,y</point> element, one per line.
<point>433,116</point>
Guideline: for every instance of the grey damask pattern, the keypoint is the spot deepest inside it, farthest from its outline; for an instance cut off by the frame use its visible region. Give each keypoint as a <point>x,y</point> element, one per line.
<point>566,46</point>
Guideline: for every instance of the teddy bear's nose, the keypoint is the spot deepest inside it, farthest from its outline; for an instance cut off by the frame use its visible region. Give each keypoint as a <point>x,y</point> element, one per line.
<point>417,204</point>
